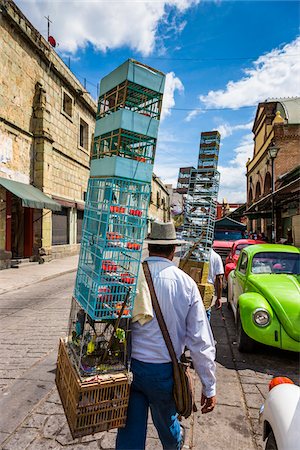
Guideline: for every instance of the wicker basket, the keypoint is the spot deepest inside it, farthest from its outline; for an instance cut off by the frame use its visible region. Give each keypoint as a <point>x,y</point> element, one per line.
<point>207,293</point>
<point>91,404</point>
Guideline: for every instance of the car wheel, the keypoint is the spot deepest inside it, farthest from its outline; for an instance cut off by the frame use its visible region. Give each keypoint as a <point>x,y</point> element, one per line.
<point>228,302</point>
<point>229,294</point>
<point>245,343</point>
<point>271,442</point>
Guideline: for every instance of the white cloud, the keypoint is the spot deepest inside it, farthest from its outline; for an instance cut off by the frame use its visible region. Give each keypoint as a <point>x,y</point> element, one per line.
<point>104,24</point>
<point>191,115</point>
<point>275,74</point>
<point>172,85</point>
<point>226,130</point>
<point>233,180</point>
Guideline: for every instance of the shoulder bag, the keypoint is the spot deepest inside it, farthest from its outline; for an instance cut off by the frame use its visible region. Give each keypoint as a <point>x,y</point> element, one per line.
<point>183,389</point>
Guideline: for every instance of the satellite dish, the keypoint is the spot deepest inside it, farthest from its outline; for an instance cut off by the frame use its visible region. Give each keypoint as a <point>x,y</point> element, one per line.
<point>52,41</point>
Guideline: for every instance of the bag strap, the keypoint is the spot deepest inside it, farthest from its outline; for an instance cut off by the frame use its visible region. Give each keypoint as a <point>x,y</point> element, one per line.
<point>159,316</point>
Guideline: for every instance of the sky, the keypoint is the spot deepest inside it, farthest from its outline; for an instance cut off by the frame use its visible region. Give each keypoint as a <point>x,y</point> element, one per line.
<point>221,58</point>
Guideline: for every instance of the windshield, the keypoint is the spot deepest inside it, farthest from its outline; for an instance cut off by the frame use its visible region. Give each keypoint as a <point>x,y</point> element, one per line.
<point>223,235</point>
<point>240,247</point>
<point>276,262</point>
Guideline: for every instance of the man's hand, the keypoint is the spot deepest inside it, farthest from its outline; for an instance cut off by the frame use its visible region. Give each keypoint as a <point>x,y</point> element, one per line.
<point>218,303</point>
<point>208,403</point>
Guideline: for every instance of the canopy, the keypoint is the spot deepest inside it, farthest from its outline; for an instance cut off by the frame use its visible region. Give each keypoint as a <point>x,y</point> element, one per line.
<point>31,196</point>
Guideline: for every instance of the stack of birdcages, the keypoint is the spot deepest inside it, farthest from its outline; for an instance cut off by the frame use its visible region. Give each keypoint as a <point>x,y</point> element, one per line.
<point>200,213</point>
<point>93,374</point>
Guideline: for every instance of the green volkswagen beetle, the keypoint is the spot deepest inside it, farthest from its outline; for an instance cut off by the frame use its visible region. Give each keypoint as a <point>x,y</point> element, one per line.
<point>264,294</point>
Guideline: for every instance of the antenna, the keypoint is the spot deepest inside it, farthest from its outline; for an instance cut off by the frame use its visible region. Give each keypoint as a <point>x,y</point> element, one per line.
<point>48,27</point>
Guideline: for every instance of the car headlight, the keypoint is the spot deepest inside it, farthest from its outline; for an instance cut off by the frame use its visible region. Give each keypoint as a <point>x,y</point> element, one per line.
<point>261,317</point>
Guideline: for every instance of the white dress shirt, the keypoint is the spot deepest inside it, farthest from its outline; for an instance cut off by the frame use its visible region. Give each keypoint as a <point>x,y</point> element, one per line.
<point>186,320</point>
<point>215,267</point>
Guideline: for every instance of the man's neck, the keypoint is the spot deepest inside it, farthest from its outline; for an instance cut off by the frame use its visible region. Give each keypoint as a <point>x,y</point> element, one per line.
<point>170,257</point>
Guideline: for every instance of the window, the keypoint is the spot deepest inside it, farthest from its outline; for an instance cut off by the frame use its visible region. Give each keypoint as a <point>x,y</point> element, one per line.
<point>79,225</point>
<point>60,227</point>
<point>243,263</point>
<point>157,200</point>
<point>276,262</point>
<point>67,104</point>
<point>83,134</point>
<point>240,247</point>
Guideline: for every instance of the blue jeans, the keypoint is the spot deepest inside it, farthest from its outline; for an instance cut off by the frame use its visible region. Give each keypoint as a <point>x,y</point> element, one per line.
<point>208,313</point>
<point>152,388</point>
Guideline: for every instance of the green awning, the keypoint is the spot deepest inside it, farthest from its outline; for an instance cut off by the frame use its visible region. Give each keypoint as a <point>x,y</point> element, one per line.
<point>31,196</point>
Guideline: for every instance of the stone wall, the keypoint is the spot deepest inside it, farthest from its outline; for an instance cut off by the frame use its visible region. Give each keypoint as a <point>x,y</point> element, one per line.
<point>39,141</point>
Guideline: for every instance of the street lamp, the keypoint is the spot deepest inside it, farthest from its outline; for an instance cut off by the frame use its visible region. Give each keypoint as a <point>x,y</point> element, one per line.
<point>272,153</point>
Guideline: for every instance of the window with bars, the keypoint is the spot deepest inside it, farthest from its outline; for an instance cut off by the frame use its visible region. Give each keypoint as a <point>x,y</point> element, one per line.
<point>83,134</point>
<point>67,104</point>
<point>79,225</point>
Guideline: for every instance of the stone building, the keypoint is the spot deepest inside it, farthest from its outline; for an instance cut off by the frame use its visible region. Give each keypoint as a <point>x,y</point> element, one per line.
<point>46,130</point>
<point>159,208</point>
<point>273,173</point>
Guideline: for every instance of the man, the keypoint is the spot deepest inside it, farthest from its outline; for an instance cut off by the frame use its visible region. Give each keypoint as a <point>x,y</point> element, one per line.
<point>186,321</point>
<point>215,277</point>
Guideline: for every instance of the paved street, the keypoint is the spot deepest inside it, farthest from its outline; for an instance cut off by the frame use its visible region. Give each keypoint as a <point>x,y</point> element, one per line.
<point>32,320</point>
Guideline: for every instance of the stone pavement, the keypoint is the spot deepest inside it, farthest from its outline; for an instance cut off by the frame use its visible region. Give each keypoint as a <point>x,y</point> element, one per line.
<point>45,426</point>
<point>30,273</point>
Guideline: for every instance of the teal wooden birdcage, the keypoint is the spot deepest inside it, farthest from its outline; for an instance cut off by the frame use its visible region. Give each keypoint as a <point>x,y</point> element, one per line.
<point>118,194</point>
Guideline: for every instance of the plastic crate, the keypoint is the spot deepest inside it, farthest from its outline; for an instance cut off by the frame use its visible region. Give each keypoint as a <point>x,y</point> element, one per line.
<point>91,404</point>
<point>114,226</point>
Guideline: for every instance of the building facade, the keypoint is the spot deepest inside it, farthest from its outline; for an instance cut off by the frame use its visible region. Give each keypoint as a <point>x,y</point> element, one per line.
<point>273,172</point>
<point>47,122</point>
<point>226,209</point>
<point>159,208</point>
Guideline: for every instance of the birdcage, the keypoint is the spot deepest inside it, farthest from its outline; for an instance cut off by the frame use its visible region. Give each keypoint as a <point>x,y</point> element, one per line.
<point>200,212</point>
<point>133,86</point>
<point>125,143</point>
<point>114,227</point>
<point>98,347</point>
<point>92,403</point>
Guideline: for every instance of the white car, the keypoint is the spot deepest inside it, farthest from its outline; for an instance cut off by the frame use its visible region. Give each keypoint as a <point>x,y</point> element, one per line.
<point>280,417</point>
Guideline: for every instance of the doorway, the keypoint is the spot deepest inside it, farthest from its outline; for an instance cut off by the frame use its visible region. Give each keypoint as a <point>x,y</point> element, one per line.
<point>19,228</point>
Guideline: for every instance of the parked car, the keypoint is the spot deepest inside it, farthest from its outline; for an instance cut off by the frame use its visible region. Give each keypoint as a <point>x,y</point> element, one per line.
<point>264,294</point>
<point>280,415</point>
<point>232,258</point>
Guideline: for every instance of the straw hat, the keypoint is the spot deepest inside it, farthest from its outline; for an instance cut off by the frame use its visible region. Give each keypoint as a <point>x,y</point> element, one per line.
<point>163,233</point>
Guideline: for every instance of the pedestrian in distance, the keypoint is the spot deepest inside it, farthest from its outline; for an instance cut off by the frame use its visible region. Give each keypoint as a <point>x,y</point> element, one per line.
<point>183,311</point>
<point>215,277</point>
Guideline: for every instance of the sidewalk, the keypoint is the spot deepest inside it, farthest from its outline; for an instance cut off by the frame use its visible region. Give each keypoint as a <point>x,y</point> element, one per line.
<point>31,273</point>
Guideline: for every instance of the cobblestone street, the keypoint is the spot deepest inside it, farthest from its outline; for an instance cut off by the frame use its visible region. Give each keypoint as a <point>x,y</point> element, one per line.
<point>33,319</point>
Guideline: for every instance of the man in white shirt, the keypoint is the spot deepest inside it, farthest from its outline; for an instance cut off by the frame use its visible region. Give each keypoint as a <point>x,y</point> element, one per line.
<point>186,321</point>
<point>215,277</point>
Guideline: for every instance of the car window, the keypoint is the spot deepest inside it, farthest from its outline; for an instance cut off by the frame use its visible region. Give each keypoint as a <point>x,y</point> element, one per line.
<point>224,235</point>
<point>243,263</point>
<point>276,262</point>
<point>240,247</point>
